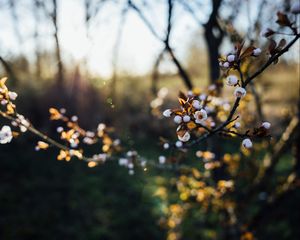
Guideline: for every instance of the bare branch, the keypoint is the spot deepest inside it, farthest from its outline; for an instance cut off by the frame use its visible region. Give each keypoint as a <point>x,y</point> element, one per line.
<point>145,20</point>
<point>244,85</point>
<point>166,41</point>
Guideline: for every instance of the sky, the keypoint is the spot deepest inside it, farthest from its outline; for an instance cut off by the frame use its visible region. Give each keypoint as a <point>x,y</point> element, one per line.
<point>138,48</point>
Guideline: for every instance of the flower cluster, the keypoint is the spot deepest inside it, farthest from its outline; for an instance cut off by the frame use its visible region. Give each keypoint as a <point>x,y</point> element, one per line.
<point>195,114</point>
<point>234,59</point>
<point>131,161</point>
<point>6,98</point>
<point>8,110</point>
<point>72,136</point>
<point>203,114</point>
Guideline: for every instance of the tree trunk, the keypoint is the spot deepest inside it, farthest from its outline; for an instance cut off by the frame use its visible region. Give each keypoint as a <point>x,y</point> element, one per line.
<point>213,37</point>
<point>60,69</point>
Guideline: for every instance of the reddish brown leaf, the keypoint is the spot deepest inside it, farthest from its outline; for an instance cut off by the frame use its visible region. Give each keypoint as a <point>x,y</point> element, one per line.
<point>281,44</point>
<point>282,19</point>
<point>272,47</point>
<point>269,32</point>
<point>239,48</point>
<point>182,95</point>
<point>181,101</point>
<point>247,53</point>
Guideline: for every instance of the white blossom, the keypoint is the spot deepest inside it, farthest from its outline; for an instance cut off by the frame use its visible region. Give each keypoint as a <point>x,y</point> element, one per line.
<point>116,142</point>
<point>231,80</point>
<point>212,87</point>
<point>88,140</point>
<point>178,119</point>
<point>237,125</point>
<point>162,159</point>
<point>186,136</point>
<point>90,134</point>
<point>102,157</point>
<point>200,116</point>
<point>266,125</point>
<point>74,118</point>
<point>202,97</point>
<point>129,154</point>
<point>196,104</point>
<point>130,165</point>
<point>166,145</point>
<point>59,129</point>
<point>143,163</point>
<point>5,135</point>
<point>101,127</point>
<point>179,144</point>
<point>167,113</point>
<point>73,143</point>
<point>256,52</point>
<point>226,64</point>
<point>4,102</point>
<point>12,95</point>
<point>247,143</point>
<point>123,161</point>
<point>240,92</point>
<point>230,58</point>
<point>186,118</point>
<point>22,122</point>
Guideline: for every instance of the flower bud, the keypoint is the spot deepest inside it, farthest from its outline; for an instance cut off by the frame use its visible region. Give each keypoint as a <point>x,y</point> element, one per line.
<point>240,92</point>
<point>12,95</point>
<point>74,118</point>
<point>231,80</point>
<point>267,32</point>
<point>237,125</point>
<point>185,137</point>
<point>166,145</point>
<point>231,58</point>
<point>162,159</point>
<point>247,143</point>
<point>226,64</point>
<point>266,125</point>
<point>186,118</point>
<point>179,144</point>
<point>4,102</point>
<point>167,113</point>
<point>177,119</point>
<point>196,104</point>
<point>123,161</point>
<point>202,97</point>
<point>256,52</point>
